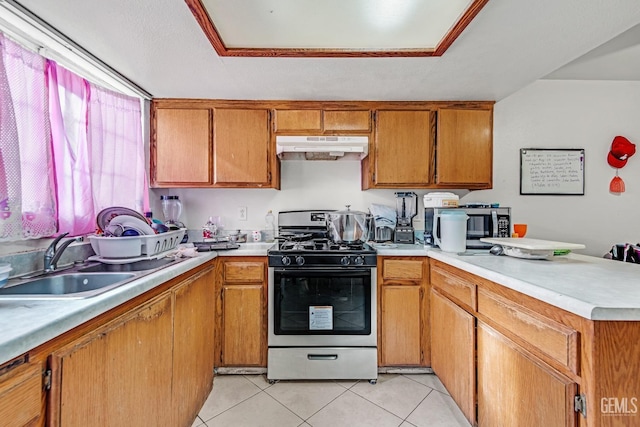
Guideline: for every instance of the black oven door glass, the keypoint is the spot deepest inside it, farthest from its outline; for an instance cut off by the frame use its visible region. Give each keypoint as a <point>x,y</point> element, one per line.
<point>313,302</point>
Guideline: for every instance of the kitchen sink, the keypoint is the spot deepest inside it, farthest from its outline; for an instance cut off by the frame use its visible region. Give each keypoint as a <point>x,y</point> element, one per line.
<point>150,264</point>
<point>68,285</point>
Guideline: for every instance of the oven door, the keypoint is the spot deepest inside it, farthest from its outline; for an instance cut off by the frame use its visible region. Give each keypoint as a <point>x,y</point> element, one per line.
<point>322,307</point>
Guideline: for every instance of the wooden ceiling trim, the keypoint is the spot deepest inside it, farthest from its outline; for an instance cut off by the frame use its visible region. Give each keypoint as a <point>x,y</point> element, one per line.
<point>208,27</point>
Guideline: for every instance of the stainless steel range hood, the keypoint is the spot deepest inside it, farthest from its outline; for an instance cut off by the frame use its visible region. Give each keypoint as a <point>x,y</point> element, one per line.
<point>322,147</point>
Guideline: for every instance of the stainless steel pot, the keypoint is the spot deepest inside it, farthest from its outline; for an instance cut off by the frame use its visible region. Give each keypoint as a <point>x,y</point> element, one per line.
<point>348,226</point>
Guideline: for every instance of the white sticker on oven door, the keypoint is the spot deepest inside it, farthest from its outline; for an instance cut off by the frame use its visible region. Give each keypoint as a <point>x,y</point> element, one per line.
<point>320,318</point>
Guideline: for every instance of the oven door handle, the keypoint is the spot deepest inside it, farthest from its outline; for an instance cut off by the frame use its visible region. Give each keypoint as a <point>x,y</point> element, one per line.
<point>332,272</point>
<point>322,356</point>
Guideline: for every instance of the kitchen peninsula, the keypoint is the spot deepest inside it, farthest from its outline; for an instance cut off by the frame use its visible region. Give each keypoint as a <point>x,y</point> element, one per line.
<point>565,326</point>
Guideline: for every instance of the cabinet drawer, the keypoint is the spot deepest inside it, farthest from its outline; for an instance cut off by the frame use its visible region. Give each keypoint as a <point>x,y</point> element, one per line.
<point>454,286</point>
<point>298,120</point>
<point>243,272</point>
<point>547,336</point>
<point>396,269</point>
<point>21,395</point>
<point>347,120</point>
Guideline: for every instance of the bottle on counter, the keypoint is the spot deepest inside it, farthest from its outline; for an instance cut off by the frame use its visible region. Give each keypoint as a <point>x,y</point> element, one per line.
<point>210,229</point>
<point>270,227</point>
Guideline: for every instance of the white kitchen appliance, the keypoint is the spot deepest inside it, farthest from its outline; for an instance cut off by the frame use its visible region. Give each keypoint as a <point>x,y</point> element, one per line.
<point>432,201</point>
<point>329,147</point>
<point>451,231</point>
<point>484,221</point>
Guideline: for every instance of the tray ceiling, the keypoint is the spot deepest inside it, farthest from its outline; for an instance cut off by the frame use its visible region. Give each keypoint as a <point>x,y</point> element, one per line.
<point>508,45</point>
<point>333,28</point>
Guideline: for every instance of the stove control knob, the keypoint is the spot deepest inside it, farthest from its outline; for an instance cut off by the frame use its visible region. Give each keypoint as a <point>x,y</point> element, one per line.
<point>286,260</point>
<point>359,260</point>
<point>345,260</point>
<point>300,260</point>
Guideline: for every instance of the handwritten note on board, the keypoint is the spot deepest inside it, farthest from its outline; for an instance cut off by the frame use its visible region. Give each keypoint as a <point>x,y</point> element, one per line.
<point>551,171</point>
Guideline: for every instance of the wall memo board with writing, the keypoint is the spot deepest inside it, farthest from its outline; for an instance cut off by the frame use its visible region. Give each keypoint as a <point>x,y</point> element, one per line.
<point>552,171</point>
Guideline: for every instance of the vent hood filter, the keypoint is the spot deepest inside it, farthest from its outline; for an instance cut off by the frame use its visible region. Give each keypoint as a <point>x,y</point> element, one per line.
<point>322,147</point>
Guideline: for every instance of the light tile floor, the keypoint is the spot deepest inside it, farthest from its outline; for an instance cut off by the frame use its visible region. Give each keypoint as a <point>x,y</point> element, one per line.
<point>418,400</point>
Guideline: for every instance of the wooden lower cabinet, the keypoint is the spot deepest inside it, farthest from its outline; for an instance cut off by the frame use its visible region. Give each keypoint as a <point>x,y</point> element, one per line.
<point>453,352</point>
<point>242,312</point>
<point>21,395</point>
<point>193,346</point>
<point>515,389</point>
<point>403,308</point>
<point>152,365</point>
<point>117,375</point>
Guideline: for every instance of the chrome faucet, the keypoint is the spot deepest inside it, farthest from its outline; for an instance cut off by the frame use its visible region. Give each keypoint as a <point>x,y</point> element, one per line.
<point>53,254</point>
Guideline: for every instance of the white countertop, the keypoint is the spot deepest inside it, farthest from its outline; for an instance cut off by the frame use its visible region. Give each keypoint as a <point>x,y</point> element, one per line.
<point>591,287</point>
<point>26,324</point>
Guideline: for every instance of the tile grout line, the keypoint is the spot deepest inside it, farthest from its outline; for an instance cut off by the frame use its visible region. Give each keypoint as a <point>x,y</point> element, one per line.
<point>414,409</point>
<point>386,410</point>
<point>231,407</point>
<point>328,403</point>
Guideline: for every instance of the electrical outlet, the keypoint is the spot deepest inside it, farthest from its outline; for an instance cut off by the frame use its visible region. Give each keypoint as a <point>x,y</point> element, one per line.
<point>242,213</point>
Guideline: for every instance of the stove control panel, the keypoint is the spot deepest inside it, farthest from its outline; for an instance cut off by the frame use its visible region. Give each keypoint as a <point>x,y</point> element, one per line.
<point>310,259</point>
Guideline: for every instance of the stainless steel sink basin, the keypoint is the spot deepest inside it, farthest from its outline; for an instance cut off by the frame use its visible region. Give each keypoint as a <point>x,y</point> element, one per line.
<point>69,285</point>
<point>143,265</point>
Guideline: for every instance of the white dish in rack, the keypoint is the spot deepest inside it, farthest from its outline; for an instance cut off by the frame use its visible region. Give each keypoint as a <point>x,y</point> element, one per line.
<point>531,248</point>
<point>128,221</point>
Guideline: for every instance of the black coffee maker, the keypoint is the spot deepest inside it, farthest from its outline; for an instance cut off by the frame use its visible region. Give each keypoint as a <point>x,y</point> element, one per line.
<point>406,209</point>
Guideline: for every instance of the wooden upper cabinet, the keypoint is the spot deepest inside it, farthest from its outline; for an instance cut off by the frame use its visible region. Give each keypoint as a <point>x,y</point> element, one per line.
<point>298,120</point>
<point>181,147</point>
<point>347,120</point>
<point>317,121</point>
<point>241,147</point>
<point>403,149</point>
<point>465,147</point>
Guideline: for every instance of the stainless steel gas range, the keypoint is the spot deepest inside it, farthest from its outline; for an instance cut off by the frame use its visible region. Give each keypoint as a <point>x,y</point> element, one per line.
<point>322,304</point>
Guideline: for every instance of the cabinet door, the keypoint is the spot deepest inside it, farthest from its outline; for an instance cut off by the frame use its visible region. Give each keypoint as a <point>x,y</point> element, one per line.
<point>453,352</point>
<point>243,325</point>
<point>347,120</point>
<point>193,346</point>
<point>464,147</point>
<point>298,120</point>
<point>241,147</point>
<point>181,147</point>
<point>21,395</point>
<point>401,325</point>
<point>119,374</point>
<point>516,390</point>
<point>403,148</point>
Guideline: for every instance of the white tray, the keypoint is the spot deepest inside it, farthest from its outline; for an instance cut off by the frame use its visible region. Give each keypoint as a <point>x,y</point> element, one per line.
<point>532,244</point>
<point>530,248</point>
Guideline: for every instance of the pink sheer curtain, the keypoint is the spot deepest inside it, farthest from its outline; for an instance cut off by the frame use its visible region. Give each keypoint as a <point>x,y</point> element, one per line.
<point>27,201</point>
<point>117,151</point>
<point>68,109</point>
<point>68,148</point>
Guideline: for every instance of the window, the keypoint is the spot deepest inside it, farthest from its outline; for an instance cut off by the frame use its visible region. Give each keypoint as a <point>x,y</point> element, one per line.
<point>68,148</point>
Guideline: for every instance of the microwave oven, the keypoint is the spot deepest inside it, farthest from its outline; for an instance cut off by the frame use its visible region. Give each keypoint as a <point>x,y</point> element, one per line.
<point>482,222</point>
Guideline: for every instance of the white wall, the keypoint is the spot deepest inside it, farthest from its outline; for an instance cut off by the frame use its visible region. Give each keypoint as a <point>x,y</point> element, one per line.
<point>570,114</point>
<point>546,114</point>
